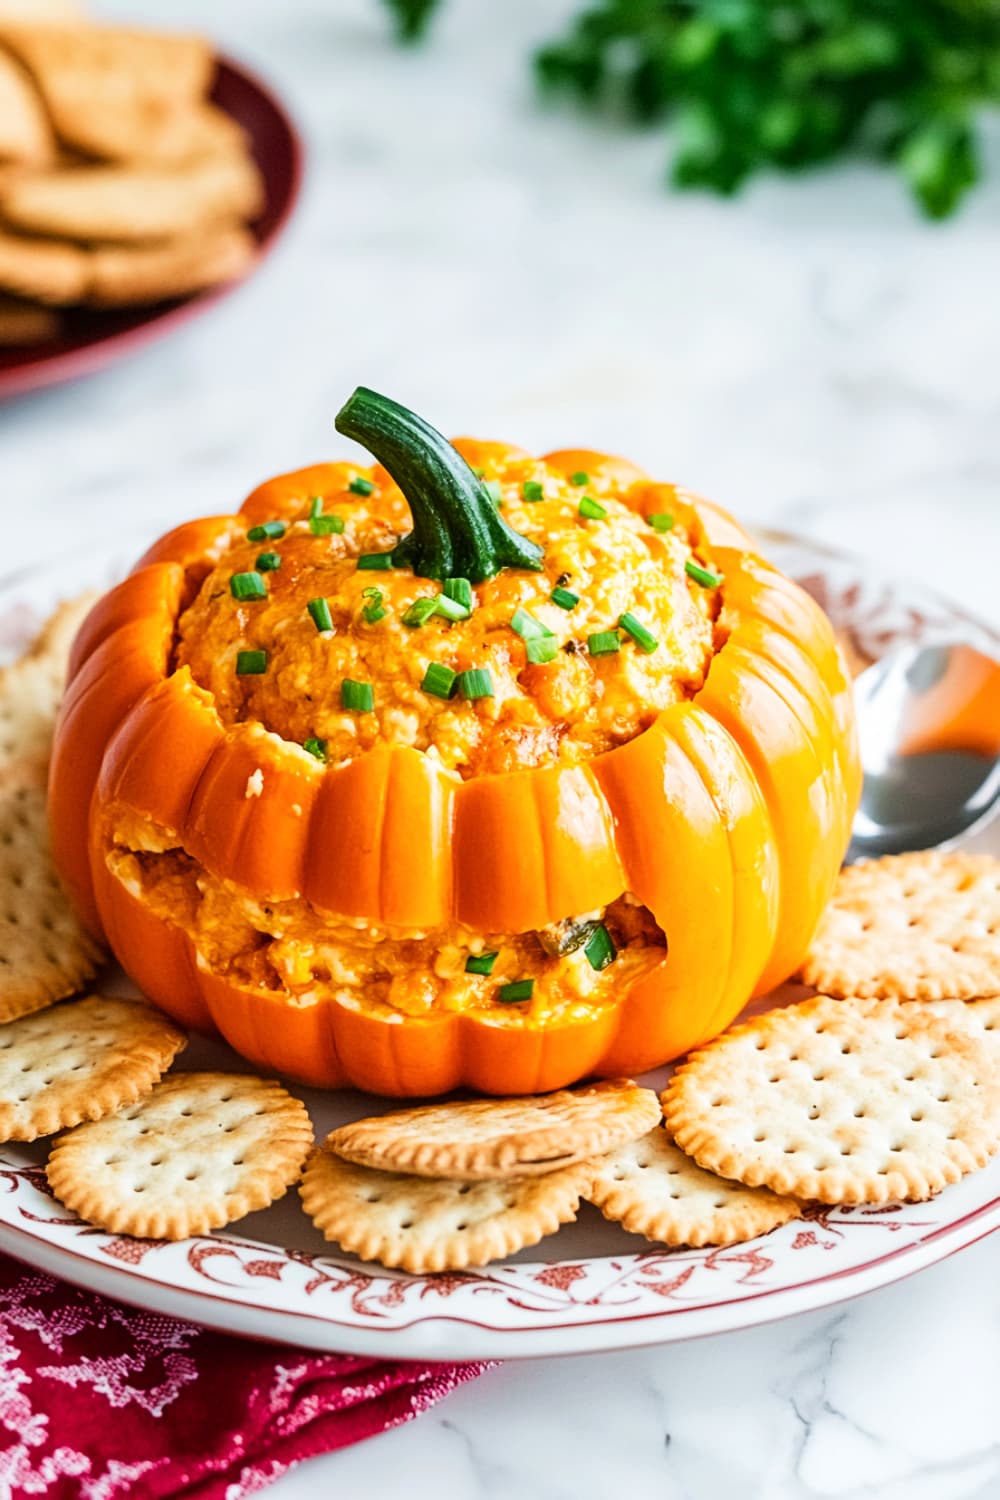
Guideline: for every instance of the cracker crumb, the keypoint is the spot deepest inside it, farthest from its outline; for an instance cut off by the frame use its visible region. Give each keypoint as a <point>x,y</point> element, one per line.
<point>255,783</point>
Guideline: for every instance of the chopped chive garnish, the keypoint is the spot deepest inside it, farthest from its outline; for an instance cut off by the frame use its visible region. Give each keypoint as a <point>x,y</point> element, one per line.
<point>564,598</point>
<point>373,610</point>
<point>476,683</point>
<point>247,586</point>
<point>326,525</point>
<point>527,627</point>
<point>439,681</point>
<point>600,949</point>
<point>661,521</point>
<point>579,478</point>
<point>357,696</point>
<point>604,642</point>
<point>450,608</point>
<point>267,531</point>
<point>375,562</point>
<point>704,576</point>
<point>320,612</point>
<point>251,663</point>
<point>419,612</point>
<point>591,510</point>
<point>268,562</point>
<point>521,989</point>
<point>480,963</point>
<point>492,488</point>
<point>643,638</point>
<point>459,589</point>
<point>531,490</point>
<point>315,747</point>
<point>542,648</point>
<point>361,486</point>
<point>315,507</point>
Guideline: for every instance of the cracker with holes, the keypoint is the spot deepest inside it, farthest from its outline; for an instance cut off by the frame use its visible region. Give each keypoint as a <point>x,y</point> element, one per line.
<point>45,953</point>
<point>844,1101</point>
<point>922,926</point>
<point>424,1224</point>
<point>31,688</point>
<point>80,1061</point>
<point>487,1138</point>
<point>651,1187</point>
<point>199,1151</point>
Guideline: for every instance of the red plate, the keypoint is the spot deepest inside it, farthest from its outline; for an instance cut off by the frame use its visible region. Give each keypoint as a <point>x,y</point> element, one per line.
<point>92,340</point>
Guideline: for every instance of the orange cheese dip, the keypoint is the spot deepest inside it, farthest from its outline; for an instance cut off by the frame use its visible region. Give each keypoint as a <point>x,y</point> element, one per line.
<point>567,709</point>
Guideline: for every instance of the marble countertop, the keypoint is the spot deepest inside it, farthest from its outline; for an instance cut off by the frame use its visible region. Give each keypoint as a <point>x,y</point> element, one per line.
<point>810,355</point>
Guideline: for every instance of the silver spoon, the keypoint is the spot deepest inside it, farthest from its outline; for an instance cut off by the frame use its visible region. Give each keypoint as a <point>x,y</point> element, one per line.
<point>929,721</point>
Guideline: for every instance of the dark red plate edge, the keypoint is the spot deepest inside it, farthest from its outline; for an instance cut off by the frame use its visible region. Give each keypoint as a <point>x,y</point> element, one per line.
<point>104,350</point>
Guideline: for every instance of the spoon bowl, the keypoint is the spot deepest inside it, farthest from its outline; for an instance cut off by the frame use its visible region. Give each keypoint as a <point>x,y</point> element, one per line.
<point>929,726</point>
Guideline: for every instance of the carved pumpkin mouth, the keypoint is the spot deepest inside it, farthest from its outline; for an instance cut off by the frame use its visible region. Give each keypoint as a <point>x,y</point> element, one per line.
<point>308,957</point>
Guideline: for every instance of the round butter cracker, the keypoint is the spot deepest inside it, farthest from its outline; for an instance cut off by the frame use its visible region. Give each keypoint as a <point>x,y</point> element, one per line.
<point>651,1187</point>
<point>479,1139</point>
<point>199,1151</point>
<point>842,1100</point>
<point>922,926</point>
<point>80,1061</point>
<point>422,1224</point>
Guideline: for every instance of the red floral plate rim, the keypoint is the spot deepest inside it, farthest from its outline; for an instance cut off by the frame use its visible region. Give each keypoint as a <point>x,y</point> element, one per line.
<point>592,1287</point>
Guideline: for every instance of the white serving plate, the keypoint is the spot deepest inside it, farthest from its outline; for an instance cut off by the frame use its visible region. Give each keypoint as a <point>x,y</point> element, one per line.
<point>592,1286</point>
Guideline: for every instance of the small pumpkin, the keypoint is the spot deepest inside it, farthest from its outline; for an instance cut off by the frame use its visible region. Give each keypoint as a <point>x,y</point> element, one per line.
<point>493,863</point>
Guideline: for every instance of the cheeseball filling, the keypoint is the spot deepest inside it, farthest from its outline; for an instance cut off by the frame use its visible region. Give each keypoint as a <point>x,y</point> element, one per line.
<point>305,626</point>
<point>562,972</point>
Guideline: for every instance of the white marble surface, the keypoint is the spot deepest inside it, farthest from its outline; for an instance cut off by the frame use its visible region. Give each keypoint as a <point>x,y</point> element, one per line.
<point>811,354</point>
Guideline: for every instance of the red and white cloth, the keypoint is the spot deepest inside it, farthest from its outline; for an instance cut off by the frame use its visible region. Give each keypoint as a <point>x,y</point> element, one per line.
<point>100,1401</point>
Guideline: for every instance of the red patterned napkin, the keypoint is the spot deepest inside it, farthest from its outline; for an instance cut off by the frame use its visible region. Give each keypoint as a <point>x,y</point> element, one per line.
<point>99,1401</point>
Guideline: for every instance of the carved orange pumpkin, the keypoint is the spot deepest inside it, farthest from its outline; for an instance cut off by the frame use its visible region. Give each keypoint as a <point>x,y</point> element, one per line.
<point>547,837</point>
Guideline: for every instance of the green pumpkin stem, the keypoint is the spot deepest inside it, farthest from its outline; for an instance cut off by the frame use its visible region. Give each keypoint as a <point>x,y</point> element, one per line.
<point>457,531</point>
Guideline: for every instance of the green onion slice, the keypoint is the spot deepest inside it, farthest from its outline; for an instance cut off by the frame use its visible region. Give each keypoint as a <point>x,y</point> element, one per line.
<point>375,562</point>
<point>419,612</point>
<point>450,608</point>
<point>542,648</point>
<point>704,576</point>
<point>267,531</point>
<point>247,586</point>
<point>268,562</point>
<point>643,638</point>
<point>480,963</point>
<point>579,478</point>
<point>361,486</point>
<point>661,521</point>
<point>315,747</point>
<point>320,612</point>
<point>439,680</point>
<point>476,683</point>
<point>527,627</point>
<point>564,598</point>
<point>357,696</point>
<point>251,663</point>
<point>604,642</point>
<point>532,491</point>
<point>374,609</point>
<point>326,525</point>
<point>459,589</point>
<point>591,510</point>
<point>600,949</point>
<point>521,989</point>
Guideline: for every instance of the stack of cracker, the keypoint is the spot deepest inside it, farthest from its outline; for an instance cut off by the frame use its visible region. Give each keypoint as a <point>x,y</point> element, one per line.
<point>120,182</point>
